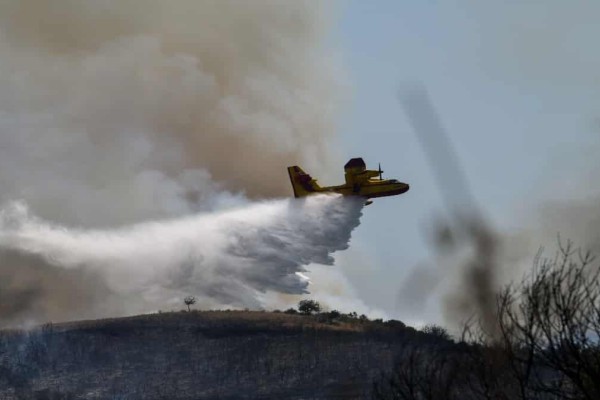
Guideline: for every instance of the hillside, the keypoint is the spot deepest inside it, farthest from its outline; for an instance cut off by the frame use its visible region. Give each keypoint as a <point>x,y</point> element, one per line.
<point>201,355</point>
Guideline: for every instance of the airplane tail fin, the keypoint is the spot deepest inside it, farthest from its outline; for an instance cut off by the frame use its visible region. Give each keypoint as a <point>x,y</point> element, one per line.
<point>302,182</point>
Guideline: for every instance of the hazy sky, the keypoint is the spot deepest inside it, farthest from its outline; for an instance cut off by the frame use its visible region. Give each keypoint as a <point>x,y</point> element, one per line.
<point>515,85</point>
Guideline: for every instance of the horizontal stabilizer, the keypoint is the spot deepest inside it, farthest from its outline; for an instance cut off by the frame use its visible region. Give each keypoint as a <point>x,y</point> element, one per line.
<point>302,183</point>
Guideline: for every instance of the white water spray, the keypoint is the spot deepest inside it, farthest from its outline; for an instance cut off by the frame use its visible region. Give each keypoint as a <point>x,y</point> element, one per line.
<point>227,258</point>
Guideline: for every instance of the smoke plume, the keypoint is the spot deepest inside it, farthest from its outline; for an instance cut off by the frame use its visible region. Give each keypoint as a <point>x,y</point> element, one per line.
<point>114,113</point>
<point>468,241</point>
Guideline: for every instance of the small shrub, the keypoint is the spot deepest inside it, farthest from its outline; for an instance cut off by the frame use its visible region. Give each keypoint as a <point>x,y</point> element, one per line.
<point>437,331</point>
<point>395,324</point>
<point>308,307</point>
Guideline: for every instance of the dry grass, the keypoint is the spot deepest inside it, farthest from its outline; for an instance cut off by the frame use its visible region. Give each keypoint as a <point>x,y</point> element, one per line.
<point>223,320</point>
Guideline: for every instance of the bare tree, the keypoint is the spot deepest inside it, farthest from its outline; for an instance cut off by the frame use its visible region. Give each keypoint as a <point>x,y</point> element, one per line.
<point>548,330</point>
<point>551,325</point>
<point>189,300</point>
<point>545,343</point>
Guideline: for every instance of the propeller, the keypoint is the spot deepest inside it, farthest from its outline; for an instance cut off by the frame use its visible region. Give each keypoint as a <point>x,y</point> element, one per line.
<point>380,172</point>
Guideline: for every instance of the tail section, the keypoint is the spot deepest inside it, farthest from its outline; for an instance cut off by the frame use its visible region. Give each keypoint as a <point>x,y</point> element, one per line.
<point>302,182</point>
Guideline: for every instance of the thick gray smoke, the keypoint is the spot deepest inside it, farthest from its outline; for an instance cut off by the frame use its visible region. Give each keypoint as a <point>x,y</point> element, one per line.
<point>113,113</point>
<point>227,258</point>
<point>474,260</point>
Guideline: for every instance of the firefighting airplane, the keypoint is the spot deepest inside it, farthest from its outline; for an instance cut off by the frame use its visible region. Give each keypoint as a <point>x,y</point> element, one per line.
<point>359,182</point>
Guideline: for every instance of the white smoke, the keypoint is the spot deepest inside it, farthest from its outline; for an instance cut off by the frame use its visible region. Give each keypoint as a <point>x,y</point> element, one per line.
<point>227,259</point>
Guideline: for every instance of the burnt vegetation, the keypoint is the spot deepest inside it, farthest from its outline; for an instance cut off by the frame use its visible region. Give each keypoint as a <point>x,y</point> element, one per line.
<point>202,355</point>
<point>544,346</point>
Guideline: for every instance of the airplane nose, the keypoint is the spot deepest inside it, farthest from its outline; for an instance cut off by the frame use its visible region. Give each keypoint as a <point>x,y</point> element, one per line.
<point>405,187</point>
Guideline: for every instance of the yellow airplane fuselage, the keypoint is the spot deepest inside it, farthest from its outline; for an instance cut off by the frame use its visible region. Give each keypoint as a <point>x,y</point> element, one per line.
<point>359,182</point>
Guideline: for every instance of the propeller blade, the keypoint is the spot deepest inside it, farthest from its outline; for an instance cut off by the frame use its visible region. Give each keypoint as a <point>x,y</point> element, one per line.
<point>380,172</point>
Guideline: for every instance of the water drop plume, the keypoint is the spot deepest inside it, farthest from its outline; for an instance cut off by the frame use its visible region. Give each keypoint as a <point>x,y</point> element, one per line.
<point>227,259</point>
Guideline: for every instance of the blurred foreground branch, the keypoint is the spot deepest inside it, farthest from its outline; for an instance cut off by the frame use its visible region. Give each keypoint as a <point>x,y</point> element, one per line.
<point>546,345</point>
